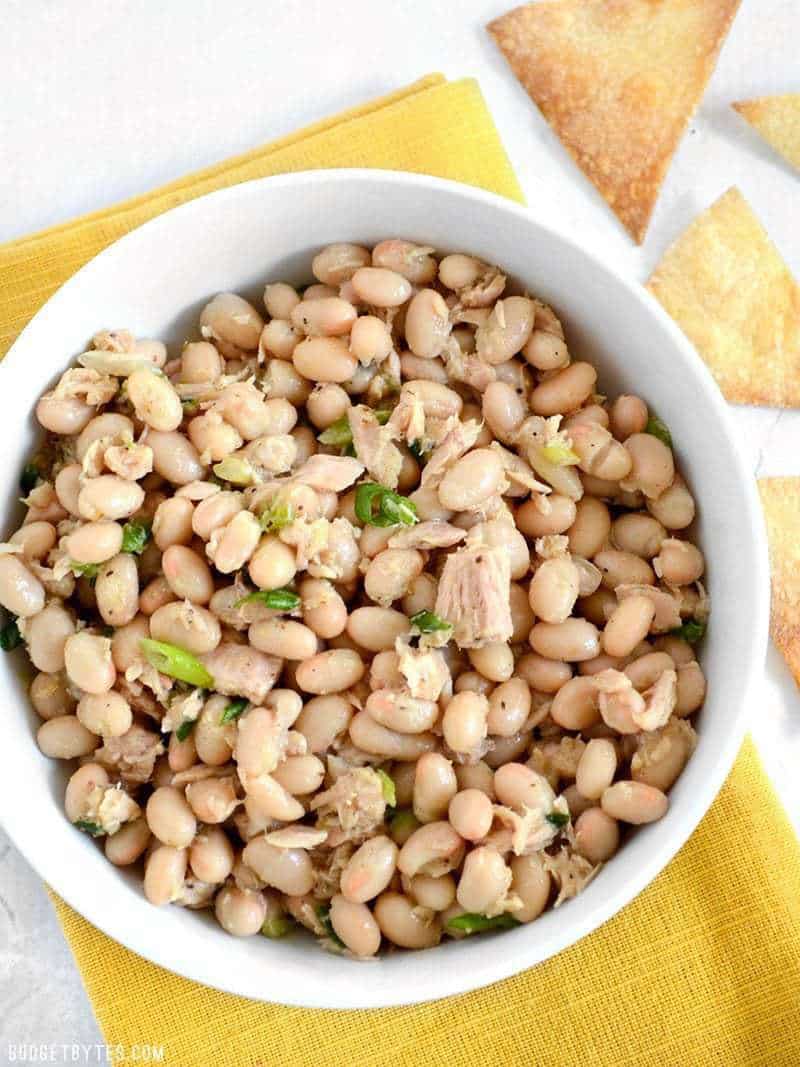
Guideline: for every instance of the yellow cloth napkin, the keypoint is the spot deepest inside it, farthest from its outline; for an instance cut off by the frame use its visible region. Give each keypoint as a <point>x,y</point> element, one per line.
<point>703,968</point>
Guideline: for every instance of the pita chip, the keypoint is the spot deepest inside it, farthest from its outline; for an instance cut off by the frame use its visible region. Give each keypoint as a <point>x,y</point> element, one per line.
<point>780,498</point>
<point>618,80</point>
<point>727,287</point>
<point>777,119</point>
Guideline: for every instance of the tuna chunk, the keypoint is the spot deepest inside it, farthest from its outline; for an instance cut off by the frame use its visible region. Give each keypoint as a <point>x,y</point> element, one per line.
<point>407,421</point>
<point>571,872</point>
<point>432,534</point>
<point>374,447</point>
<point>87,385</point>
<point>329,472</point>
<point>425,670</point>
<point>325,549</point>
<point>239,670</point>
<point>473,595</point>
<point>469,368</point>
<point>660,701</point>
<point>352,808</point>
<point>455,444</point>
<point>110,807</point>
<point>132,755</point>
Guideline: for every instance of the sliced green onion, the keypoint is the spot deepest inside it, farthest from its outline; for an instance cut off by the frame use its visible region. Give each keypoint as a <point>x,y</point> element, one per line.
<point>340,435</point>
<point>557,818</point>
<point>388,788</point>
<point>559,453</point>
<point>85,570</point>
<point>690,631</point>
<point>274,518</point>
<point>392,509</point>
<point>135,536</point>
<point>324,916</point>
<point>190,404</point>
<point>658,428</point>
<point>29,477</point>
<point>280,926</point>
<point>176,663</point>
<point>233,711</point>
<point>234,469</point>
<point>185,728</point>
<point>391,383</point>
<point>403,821</point>
<point>427,623</point>
<point>89,827</point>
<point>10,637</point>
<point>276,599</point>
<point>473,923</point>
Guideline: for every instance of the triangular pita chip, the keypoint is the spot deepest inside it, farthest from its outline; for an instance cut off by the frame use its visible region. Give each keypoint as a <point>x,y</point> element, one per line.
<point>777,119</point>
<point>726,285</point>
<point>780,498</point>
<point>618,81</point>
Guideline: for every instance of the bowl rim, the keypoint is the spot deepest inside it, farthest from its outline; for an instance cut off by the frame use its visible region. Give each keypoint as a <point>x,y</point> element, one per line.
<point>489,967</point>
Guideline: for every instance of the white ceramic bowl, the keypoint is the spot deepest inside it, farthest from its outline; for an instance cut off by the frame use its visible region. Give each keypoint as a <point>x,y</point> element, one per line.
<point>154,281</point>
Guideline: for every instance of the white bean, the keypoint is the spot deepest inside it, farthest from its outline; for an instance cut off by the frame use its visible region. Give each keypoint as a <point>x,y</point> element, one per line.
<point>21,592</point>
<point>369,870</point>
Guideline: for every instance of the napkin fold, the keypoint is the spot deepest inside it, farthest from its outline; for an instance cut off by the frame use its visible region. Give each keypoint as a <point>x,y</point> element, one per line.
<point>702,968</point>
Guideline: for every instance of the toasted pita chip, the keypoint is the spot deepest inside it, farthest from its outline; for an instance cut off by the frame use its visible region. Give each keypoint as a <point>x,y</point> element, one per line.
<point>777,119</point>
<point>725,284</point>
<point>618,81</point>
<point>780,498</point>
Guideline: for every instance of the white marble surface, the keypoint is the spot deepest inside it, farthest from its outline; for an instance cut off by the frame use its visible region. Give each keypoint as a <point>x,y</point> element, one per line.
<point>104,101</point>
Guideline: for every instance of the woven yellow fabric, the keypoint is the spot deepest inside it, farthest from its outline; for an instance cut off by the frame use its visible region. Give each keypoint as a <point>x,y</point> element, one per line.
<point>703,968</point>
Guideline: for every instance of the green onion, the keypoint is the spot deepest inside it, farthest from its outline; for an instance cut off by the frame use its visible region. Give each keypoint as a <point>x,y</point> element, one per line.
<point>135,536</point>
<point>691,631</point>
<point>85,570</point>
<point>280,926</point>
<point>276,599</point>
<point>190,404</point>
<point>274,518</point>
<point>89,827</point>
<point>29,477</point>
<point>392,384</point>
<point>233,711</point>
<point>185,729</point>
<point>473,923</point>
<point>402,821</point>
<point>557,818</point>
<point>10,637</point>
<point>387,786</point>
<point>324,916</point>
<point>340,435</point>
<point>427,623</point>
<point>659,429</point>
<point>559,453</point>
<point>392,509</point>
<point>234,469</point>
<point>176,663</point>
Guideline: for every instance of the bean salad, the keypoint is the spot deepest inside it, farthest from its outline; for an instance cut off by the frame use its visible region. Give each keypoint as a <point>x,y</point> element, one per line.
<point>365,611</point>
